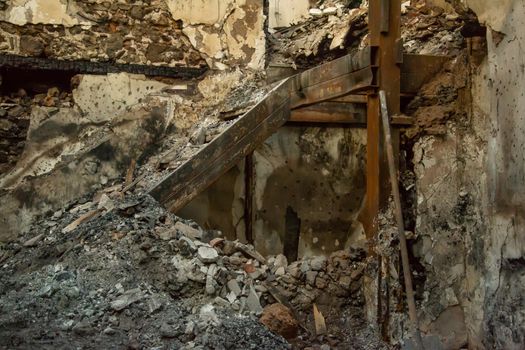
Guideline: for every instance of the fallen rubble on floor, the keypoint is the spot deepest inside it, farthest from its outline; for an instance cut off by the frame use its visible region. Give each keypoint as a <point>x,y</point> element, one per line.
<point>121,271</point>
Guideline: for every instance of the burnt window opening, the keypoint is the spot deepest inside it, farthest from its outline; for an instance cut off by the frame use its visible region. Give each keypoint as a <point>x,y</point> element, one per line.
<point>34,81</point>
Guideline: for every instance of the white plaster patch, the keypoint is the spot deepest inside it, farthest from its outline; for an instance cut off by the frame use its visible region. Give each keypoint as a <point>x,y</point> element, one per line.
<point>22,12</point>
<point>103,97</point>
<point>283,13</point>
<point>199,11</point>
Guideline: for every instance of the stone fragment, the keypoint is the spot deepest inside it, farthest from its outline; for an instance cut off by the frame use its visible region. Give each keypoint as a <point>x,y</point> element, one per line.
<point>210,282</point>
<point>321,282</point>
<point>221,302</point>
<point>231,297</point>
<point>280,271</point>
<point>33,241</point>
<point>318,263</point>
<point>83,328</point>
<point>208,316</point>
<point>332,10</point>
<point>207,255</point>
<point>280,261</point>
<point>279,319</point>
<point>168,234</point>
<point>126,299</point>
<point>188,231</point>
<point>186,246</point>
<point>257,273</point>
<point>305,267</point>
<point>234,287</point>
<point>316,12</point>
<point>106,203</point>
<point>252,302</point>
<point>109,331</point>
<point>168,331</point>
<point>310,277</point>
<point>199,136</point>
<point>154,304</point>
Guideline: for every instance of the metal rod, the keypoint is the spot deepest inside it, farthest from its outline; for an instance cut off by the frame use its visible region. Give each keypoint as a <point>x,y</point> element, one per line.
<point>249,177</point>
<point>400,224</point>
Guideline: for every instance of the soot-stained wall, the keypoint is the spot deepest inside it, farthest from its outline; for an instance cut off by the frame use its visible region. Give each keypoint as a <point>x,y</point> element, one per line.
<point>318,172</point>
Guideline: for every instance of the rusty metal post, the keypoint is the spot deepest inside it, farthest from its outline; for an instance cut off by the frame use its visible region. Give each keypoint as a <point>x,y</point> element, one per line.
<point>384,18</point>
<point>384,25</point>
<point>407,274</point>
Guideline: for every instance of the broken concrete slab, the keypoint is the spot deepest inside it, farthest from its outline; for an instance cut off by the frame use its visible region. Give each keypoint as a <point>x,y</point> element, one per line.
<point>207,254</point>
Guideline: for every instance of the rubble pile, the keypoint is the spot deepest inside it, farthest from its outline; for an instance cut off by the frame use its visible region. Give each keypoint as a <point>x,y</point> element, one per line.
<point>320,38</point>
<point>429,30</point>
<point>336,28</point>
<point>120,270</point>
<point>15,116</point>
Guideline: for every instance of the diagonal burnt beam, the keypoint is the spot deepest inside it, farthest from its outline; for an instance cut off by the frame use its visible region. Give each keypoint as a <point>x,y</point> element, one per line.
<point>179,187</point>
<point>334,79</point>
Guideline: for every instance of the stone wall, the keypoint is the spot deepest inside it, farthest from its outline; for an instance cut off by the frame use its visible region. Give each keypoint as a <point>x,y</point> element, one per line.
<point>158,32</point>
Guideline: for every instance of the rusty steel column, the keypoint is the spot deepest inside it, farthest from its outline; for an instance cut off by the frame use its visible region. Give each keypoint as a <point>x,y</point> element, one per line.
<point>386,50</point>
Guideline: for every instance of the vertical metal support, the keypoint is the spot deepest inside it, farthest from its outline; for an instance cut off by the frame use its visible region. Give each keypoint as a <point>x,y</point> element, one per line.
<point>373,181</point>
<point>385,28</point>
<point>249,185</point>
<point>392,169</point>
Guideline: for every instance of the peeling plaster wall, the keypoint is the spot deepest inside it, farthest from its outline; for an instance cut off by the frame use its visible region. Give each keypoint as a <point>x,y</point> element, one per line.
<point>471,198</point>
<point>219,34</point>
<point>501,96</point>
<point>230,32</point>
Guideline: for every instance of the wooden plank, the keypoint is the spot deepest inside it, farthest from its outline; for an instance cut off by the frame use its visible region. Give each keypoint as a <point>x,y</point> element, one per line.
<point>336,68</point>
<point>351,99</point>
<point>236,142</point>
<point>333,88</point>
<point>88,67</point>
<point>189,187</point>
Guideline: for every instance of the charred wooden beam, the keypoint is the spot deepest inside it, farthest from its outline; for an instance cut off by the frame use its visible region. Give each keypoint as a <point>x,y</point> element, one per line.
<point>179,187</point>
<point>88,67</point>
<point>340,113</point>
<point>329,89</point>
<point>331,112</point>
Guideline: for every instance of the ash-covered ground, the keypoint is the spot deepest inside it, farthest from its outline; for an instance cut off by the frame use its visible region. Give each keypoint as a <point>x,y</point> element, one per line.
<point>119,272</point>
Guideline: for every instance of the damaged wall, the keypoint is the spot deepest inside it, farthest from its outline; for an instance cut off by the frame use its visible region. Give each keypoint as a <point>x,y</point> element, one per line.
<point>317,172</point>
<point>470,181</point>
<point>70,152</point>
<point>159,32</point>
